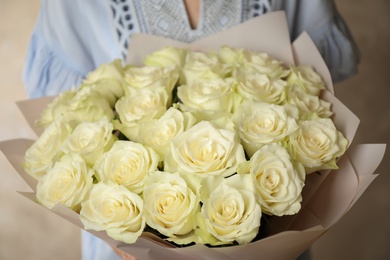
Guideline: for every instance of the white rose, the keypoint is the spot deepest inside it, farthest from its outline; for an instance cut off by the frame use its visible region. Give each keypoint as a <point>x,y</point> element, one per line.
<point>305,77</point>
<point>229,55</point>
<point>150,76</point>
<point>262,123</point>
<point>40,157</point>
<point>259,87</point>
<point>205,150</point>
<point>317,144</point>
<point>158,133</point>
<point>262,63</point>
<point>55,108</point>
<point>67,183</point>
<point>252,62</point>
<point>89,105</point>
<point>307,104</point>
<point>202,65</point>
<point>166,57</point>
<point>90,140</point>
<point>170,205</point>
<point>109,89</point>
<point>143,105</point>
<point>116,210</point>
<point>112,70</point>
<point>229,212</point>
<point>279,180</point>
<point>127,163</point>
<point>82,105</point>
<point>209,95</point>
<point>107,79</point>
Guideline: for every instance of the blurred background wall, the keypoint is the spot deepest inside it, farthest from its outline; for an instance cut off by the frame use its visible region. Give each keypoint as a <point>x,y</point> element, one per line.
<point>28,232</point>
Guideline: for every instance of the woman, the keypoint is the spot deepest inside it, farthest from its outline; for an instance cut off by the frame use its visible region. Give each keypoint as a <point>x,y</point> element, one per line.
<point>72,38</point>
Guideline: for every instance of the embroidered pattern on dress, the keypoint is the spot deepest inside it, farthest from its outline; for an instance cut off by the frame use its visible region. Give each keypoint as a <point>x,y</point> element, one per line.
<point>168,18</point>
<point>255,8</point>
<point>125,21</point>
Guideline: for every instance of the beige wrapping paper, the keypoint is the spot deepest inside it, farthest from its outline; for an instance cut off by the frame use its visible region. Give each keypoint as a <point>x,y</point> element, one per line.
<point>327,197</point>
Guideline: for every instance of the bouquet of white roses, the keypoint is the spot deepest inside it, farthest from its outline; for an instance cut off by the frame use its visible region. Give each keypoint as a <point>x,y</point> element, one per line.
<point>196,147</point>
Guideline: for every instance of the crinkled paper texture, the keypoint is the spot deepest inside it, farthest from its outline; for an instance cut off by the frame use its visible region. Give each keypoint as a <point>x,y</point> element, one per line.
<point>327,197</point>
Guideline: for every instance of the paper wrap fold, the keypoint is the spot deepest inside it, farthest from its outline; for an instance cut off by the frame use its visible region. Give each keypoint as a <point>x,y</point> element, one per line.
<point>327,197</point>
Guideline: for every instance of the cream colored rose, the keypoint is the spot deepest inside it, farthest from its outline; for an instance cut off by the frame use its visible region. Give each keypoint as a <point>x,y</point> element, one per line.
<point>305,77</point>
<point>88,105</point>
<point>203,65</point>
<point>107,79</point>
<point>259,87</point>
<point>56,108</point>
<point>229,55</point>
<point>262,123</point>
<point>127,163</point>
<point>170,205</point>
<point>308,105</point>
<point>90,140</point>
<point>158,133</point>
<point>209,95</point>
<point>252,62</point>
<point>166,57</point>
<point>112,70</point>
<point>40,157</point>
<point>229,212</point>
<point>143,105</point>
<point>262,63</point>
<point>109,89</point>
<point>205,150</point>
<point>317,144</point>
<point>67,183</point>
<point>279,180</point>
<point>150,76</point>
<point>80,105</point>
<point>116,210</point>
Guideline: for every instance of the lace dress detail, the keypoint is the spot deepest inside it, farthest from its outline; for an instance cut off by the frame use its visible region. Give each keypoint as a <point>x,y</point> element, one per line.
<point>255,8</point>
<point>168,18</point>
<point>125,21</point>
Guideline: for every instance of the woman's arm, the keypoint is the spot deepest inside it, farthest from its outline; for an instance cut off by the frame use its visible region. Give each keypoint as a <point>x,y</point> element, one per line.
<point>322,21</point>
<point>70,39</point>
